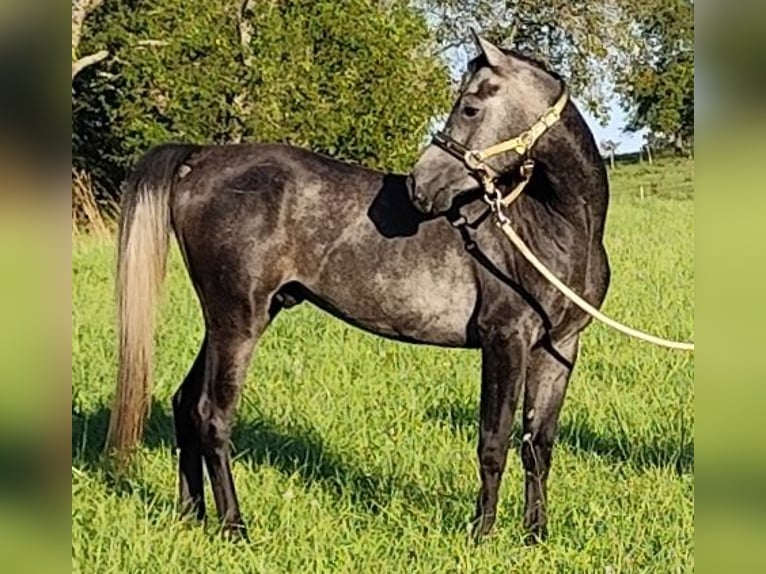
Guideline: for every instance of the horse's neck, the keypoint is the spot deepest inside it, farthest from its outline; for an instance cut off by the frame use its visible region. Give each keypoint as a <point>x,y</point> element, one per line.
<point>574,177</point>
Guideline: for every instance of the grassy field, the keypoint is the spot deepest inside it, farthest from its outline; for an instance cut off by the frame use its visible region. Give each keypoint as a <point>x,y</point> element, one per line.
<point>334,424</point>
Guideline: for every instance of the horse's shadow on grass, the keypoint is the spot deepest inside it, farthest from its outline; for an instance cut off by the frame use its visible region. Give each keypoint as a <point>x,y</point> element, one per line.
<point>293,450</point>
<point>580,437</point>
<point>301,451</point>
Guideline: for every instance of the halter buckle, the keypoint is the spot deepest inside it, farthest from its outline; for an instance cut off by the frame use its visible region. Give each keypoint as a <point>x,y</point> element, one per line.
<point>526,168</point>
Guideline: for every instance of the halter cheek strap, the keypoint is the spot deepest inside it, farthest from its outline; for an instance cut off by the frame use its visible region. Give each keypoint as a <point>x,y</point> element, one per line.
<point>522,143</point>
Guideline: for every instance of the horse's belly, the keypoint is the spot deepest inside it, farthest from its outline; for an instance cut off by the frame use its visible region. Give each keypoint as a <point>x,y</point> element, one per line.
<point>419,304</point>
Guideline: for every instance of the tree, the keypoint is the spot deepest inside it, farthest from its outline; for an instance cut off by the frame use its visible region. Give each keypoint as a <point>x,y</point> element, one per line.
<point>609,147</point>
<point>658,88</point>
<point>647,147</point>
<point>350,79</point>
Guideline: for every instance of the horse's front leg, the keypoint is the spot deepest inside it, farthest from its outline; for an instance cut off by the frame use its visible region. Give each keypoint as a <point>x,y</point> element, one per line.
<point>548,374</point>
<point>504,354</point>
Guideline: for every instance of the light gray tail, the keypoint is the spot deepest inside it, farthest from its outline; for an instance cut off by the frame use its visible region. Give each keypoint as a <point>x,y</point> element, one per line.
<point>144,234</point>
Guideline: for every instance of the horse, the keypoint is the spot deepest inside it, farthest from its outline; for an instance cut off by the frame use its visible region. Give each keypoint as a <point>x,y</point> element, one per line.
<point>414,258</point>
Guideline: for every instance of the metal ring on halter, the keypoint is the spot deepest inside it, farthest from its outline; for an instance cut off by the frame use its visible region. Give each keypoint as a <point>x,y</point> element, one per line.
<point>490,190</point>
<point>494,198</point>
<point>497,209</point>
<point>473,160</point>
<point>527,140</point>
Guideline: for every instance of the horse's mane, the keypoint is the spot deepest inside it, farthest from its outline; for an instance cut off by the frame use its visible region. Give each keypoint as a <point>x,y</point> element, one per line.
<point>480,61</point>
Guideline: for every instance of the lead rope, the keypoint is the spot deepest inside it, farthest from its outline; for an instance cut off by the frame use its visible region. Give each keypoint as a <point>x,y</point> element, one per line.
<point>497,202</point>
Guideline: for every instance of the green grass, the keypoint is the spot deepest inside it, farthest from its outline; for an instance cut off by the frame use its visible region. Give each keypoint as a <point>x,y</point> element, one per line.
<point>356,454</point>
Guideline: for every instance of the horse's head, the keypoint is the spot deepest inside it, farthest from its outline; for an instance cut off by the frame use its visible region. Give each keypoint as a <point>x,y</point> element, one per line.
<point>503,95</point>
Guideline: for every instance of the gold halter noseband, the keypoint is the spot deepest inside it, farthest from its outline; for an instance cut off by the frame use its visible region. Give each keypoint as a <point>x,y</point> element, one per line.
<point>521,144</point>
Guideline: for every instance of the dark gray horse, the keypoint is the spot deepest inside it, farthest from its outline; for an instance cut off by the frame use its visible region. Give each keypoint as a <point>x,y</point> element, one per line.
<point>264,227</point>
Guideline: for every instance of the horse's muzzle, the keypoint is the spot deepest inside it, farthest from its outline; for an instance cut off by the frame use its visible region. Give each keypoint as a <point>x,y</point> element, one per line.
<point>418,198</point>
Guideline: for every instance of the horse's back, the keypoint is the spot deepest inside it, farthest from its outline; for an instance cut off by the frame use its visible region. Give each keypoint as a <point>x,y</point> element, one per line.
<point>257,192</point>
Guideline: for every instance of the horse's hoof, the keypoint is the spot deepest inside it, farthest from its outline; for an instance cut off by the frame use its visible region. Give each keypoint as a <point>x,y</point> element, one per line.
<point>235,533</point>
<point>535,536</point>
<point>189,511</point>
<point>482,526</point>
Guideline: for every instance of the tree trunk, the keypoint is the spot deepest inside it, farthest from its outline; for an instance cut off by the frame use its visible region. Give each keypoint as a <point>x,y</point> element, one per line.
<point>241,105</point>
<point>678,144</point>
<point>80,10</point>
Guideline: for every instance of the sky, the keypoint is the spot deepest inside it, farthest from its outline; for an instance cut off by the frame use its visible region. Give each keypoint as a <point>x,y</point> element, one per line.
<point>629,142</point>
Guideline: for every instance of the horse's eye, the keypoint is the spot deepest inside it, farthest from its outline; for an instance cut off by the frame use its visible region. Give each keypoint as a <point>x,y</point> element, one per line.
<point>470,111</point>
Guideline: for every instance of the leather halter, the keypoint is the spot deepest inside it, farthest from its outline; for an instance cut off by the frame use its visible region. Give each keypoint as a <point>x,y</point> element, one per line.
<point>521,144</point>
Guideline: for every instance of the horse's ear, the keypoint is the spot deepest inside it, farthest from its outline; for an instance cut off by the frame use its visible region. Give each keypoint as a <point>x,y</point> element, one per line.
<point>475,38</point>
<point>494,55</point>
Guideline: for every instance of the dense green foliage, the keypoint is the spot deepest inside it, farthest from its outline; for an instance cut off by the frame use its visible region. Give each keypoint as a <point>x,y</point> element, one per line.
<point>351,79</point>
<point>356,79</point>
<point>357,454</point>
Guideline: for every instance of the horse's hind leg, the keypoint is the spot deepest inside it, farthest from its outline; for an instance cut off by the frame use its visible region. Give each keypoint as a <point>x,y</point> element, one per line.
<point>233,329</point>
<point>548,374</point>
<point>187,425</point>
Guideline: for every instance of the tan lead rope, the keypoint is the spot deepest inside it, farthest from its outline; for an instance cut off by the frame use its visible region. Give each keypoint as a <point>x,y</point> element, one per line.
<point>497,203</point>
<point>505,225</point>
